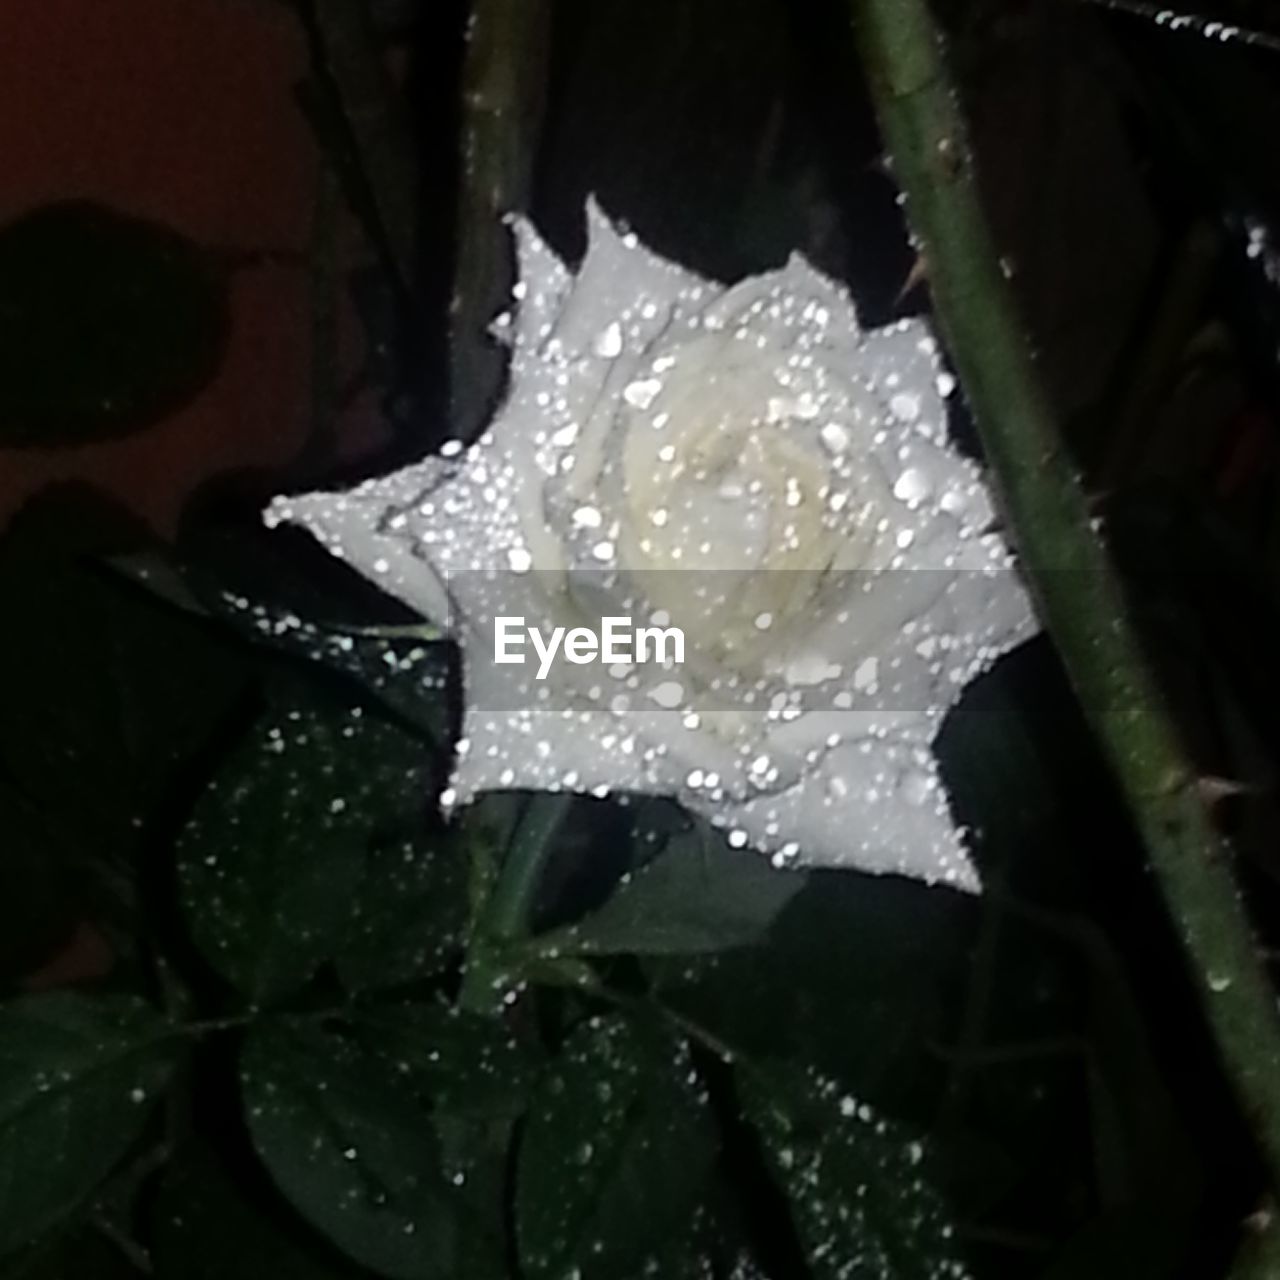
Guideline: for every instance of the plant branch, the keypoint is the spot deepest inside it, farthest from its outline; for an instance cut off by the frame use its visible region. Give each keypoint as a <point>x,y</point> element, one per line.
<point>504,86</point>
<point>346,51</point>
<point>1077,590</point>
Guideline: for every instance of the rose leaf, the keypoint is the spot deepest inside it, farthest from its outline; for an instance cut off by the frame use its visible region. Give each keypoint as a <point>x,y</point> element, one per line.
<point>616,1155</point>
<point>207,1226</point>
<point>857,1185</point>
<point>698,895</point>
<point>351,1148</point>
<point>77,1077</point>
<point>409,915</point>
<point>462,1063</point>
<point>274,853</point>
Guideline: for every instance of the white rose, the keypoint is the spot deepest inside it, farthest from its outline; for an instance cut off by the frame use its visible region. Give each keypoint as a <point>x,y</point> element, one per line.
<point>748,464</point>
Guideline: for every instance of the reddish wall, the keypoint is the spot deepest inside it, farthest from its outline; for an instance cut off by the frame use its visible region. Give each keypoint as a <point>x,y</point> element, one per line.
<point>178,110</point>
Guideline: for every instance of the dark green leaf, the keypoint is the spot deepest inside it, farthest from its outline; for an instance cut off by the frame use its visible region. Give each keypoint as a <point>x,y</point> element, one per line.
<point>77,1077</point>
<point>409,916</point>
<point>139,688</point>
<point>476,1155</point>
<point>407,673</point>
<point>106,323</point>
<point>462,1063</point>
<point>857,977</point>
<point>859,1195</point>
<point>37,905</point>
<point>698,895</point>
<point>208,1227</point>
<point>281,590</point>
<point>351,1148</point>
<point>75,1255</point>
<point>275,850</point>
<point>616,1155</point>
<point>477,1078</point>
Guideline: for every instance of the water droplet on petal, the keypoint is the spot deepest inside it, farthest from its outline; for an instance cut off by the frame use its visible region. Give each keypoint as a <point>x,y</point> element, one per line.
<point>912,486</point>
<point>642,393</point>
<point>835,437</point>
<point>669,694</point>
<point>609,342</point>
<point>905,406</point>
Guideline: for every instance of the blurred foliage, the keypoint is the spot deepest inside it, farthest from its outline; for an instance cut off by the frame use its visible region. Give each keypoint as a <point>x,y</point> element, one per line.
<point>107,324</point>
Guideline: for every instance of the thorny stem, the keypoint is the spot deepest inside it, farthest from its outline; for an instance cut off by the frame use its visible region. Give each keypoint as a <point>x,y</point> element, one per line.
<point>1078,592</point>
<point>504,84</point>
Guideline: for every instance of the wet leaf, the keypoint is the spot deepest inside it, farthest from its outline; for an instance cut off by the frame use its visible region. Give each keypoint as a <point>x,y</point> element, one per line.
<point>406,672</point>
<point>476,1153</point>
<point>352,1149</point>
<point>282,592</point>
<point>107,323</point>
<point>409,915</point>
<point>857,977</point>
<point>459,1062</point>
<point>859,1194</point>
<point>78,1075</point>
<point>615,1157</point>
<point>275,850</point>
<point>698,895</point>
<point>207,1226</point>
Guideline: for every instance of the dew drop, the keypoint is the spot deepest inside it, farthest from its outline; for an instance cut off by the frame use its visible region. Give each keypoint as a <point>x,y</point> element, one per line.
<point>835,437</point>
<point>609,341</point>
<point>905,406</point>
<point>669,694</point>
<point>642,393</point>
<point>912,486</point>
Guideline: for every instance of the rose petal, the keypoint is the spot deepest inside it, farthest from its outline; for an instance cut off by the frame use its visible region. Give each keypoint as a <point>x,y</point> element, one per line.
<point>928,598</point>
<point>351,525</point>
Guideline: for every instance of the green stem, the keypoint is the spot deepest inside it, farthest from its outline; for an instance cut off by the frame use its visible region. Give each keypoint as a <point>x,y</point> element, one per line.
<point>505,917</point>
<point>1077,590</point>
<point>504,86</point>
